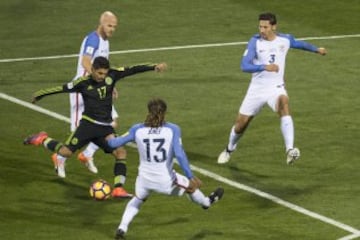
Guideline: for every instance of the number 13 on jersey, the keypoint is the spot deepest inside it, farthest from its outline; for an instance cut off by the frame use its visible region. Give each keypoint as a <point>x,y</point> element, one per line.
<point>155,150</point>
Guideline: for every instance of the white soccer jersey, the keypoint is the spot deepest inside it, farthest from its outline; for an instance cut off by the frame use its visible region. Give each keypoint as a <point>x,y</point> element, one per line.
<point>270,52</point>
<point>94,46</point>
<point>157,147</point>
<point>261,52</point>
<point>265,87</point>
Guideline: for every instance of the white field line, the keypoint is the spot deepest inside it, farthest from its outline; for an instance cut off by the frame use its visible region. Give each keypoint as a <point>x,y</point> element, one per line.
<point>350,237</point>
<point>169,48</point>
<point>355,232</point>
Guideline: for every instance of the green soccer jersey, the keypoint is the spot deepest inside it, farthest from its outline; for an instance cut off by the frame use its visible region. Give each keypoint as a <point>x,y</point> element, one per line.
<point>97,95</point>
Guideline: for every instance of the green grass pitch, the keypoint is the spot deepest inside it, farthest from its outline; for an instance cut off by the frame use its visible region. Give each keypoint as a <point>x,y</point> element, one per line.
<point>204,88</point>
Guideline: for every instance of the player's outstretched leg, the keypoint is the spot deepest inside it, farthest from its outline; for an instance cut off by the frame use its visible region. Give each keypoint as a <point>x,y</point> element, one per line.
<point>119,180</point>
<point>42,138</point>
<point>36,139</point>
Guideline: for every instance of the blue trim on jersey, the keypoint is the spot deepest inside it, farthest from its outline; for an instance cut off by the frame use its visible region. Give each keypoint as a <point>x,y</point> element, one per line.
<point>298,44</point>
<point>92,40</point>
<point>247,64</point>
<point>179,151</point>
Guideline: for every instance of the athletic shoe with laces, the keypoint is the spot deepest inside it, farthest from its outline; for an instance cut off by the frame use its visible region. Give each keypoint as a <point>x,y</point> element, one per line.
<point>224,156</point>
<point>36,139</point>
<point>59,166</point>
<point>215,196</point>
<point>120,234</point>
<point>120,192</point>
<point>88,162</point>
<point>292,155</point>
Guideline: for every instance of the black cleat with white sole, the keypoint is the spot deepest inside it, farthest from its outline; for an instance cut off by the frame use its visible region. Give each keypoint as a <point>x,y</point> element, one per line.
<point>215,196</point>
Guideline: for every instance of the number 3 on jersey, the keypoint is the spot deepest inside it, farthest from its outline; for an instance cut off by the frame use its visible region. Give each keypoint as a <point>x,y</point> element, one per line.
<point>272,58</point>
<point>160,152</point>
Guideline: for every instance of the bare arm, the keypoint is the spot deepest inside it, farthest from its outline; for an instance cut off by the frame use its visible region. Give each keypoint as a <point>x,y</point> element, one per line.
<point>86,63</point>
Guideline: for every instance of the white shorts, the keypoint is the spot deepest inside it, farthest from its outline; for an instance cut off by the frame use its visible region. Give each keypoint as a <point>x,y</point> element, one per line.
<point>76,109</point>
<point>143,187</point>
<point>256,98</point>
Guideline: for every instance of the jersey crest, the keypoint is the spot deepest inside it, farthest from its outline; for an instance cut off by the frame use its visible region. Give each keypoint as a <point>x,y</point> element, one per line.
<point>108,80</point>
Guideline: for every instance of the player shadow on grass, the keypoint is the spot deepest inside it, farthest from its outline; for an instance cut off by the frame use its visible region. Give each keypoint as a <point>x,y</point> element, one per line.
<point>203,234</point>
<point>259,181</point>
<point>200,234</point>
<point>87,210</point>
<point>239,173</point>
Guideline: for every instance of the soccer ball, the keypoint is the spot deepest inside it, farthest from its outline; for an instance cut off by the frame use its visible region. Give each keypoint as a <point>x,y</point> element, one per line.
<point>100,190</point>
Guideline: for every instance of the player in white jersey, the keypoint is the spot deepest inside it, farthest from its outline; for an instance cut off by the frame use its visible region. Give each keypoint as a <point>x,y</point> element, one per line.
<point>265,59</point>
<point>158,143</point>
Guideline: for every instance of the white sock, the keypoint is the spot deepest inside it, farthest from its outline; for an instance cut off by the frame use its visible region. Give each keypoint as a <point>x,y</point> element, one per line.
<point>132,208</point>
<point>233,139</point>
<point>199,198</point>
<point>90,150</point>
<point>287,130</point>
<point>60,158</point>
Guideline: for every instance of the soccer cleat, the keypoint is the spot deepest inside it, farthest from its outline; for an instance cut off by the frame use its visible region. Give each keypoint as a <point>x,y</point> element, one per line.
<point>120,192</point>
<point>88,162</point>
<point>59,166</point>
<point>224,156</point>
<point>215,196</point>
<point>120,234</point>
<point>292,155</point>
<point>61,169</point>
<point>36,139</point>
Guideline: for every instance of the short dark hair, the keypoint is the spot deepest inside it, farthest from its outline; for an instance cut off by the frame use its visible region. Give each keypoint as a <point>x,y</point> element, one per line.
<point>268,17</point>
<point>101,62</point>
